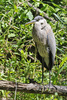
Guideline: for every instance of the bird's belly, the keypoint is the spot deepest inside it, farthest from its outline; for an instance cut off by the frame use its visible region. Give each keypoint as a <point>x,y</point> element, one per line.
<point>43,51</point>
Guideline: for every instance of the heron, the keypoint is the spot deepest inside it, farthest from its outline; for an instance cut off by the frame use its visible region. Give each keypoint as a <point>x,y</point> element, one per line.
<point>45,44</point>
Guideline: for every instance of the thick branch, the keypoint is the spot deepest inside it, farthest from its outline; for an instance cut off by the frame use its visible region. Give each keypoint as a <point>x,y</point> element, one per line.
<point>33,88</point>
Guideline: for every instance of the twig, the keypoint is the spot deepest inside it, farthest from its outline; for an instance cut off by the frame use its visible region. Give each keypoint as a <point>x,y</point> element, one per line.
<point>30,57</point>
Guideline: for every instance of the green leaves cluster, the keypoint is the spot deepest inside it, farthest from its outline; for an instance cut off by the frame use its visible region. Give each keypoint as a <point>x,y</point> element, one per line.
<point>17,47</point>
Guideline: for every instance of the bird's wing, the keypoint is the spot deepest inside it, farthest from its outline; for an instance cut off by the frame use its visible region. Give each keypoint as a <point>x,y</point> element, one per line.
<point>40,58</point>
<point>52,48</point>
<point>51,42</point>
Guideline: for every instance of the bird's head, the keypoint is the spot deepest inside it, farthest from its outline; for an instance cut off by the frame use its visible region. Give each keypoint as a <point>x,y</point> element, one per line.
<point>39,21</point>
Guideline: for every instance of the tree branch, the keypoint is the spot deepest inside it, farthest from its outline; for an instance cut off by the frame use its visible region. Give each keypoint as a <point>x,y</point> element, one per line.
<point>33,88</point>
<point>38,10</point>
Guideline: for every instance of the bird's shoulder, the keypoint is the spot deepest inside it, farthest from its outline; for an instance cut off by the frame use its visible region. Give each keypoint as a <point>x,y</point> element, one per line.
<point>48,29</point>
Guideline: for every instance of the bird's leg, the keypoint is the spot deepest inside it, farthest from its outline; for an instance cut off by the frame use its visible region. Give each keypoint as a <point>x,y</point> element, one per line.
<point>42,69</point>
<point>35,54</point>
<point>50,84</point>
<point>49,78</point>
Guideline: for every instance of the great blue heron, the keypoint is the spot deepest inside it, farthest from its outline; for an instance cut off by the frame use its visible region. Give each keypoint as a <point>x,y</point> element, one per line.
<point>44,39</point>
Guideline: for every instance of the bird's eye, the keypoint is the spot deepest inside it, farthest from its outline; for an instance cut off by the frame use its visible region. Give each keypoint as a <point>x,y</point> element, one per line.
<point>37,19</point>
<point>41,23</point>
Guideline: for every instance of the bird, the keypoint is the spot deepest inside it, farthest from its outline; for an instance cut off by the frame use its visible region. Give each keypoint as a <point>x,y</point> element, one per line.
<point>45,44</point>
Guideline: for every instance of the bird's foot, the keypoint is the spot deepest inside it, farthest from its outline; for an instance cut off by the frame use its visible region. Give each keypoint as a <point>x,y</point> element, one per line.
<point>50,85</point>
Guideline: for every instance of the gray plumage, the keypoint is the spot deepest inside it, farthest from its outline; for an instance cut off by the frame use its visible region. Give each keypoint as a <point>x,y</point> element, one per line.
<point>44,39</point>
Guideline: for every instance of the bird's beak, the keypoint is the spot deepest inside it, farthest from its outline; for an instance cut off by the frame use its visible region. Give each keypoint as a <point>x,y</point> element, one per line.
<point>31,22</point>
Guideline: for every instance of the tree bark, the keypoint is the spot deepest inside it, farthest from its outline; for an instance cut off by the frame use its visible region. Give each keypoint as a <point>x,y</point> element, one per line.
<point>33,88</point>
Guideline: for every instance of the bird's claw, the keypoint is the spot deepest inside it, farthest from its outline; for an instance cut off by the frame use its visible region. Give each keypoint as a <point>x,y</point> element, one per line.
<point>51,86</point>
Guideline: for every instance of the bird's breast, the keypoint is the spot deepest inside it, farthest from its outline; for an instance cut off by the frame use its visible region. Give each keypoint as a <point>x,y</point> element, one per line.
<point>39,36</point>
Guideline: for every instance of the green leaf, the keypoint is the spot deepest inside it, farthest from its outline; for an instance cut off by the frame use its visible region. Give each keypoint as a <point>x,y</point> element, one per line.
<point>62,65</point>
<point>14,45</point>
<point>30,15</point>
<point>52,9</point>
<point>11,35</point>
<point>16,53</point>
<point>20,41</point>
<point>45,7</point>
<point>15,7</point>
<point>22,52</point>
<point>62,68</point>
<point>58,17</point>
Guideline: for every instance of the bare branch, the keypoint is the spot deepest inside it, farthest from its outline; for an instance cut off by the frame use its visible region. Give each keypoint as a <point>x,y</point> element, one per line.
<point>33,88</point>
<point>38,10</point>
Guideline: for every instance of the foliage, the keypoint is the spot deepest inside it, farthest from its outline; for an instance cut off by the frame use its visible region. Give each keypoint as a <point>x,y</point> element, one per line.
<point>16,44</point>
